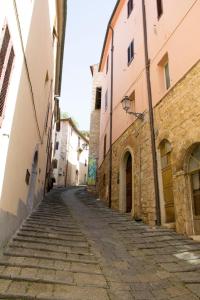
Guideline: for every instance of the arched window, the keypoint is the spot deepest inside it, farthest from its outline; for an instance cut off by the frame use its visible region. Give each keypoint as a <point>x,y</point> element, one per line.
<point>194,171</point>
<point>167,179</point>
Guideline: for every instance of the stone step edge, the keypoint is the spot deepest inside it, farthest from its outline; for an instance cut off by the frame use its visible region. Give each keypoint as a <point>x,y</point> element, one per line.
<point>20,265</point>
<point>51,258</point>
<point>24,232</point>
<point>29,228</point>
<point>48,243</point>
<point>26,297</point>
<point>47,250</point>
<point>50,225</point>
<point>46,237</point>
<point>37,280</point>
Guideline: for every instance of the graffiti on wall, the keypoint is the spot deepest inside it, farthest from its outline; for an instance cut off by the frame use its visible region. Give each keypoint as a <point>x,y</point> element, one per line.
<point>92,171</point>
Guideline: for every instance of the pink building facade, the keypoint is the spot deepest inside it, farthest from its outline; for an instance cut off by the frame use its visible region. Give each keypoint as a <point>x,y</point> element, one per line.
<point>161,187</point>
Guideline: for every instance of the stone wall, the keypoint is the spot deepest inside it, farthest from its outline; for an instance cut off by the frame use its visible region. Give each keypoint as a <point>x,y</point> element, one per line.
<point>177,119</point>
<point>95,123</point>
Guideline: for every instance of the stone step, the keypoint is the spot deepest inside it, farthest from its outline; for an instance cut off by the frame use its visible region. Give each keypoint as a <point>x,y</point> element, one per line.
<point>77,267</point>
<point>51,225</point>
<point>38,275</point>
<point>69,257</point>
<point>68,242</point>
<point>52,234</point>
<point>50,230</point>
<point>44,291</point>
<point>63,224</point>
<point>71,247</point>
<point>53,219</point>
<point>41,247</point>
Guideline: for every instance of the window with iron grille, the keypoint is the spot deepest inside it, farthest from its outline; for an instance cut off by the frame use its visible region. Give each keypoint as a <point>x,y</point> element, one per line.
<point>98,98</point>
<point>6,62</point>
<point>130,52</point>
<point>129,7</point>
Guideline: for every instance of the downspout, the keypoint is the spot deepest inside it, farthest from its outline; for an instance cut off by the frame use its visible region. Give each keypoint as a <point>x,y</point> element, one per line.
<point>111,115</point>
<point>151,117</point>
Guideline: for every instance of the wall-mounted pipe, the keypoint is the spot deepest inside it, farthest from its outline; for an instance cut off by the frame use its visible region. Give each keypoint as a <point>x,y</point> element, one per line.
<point>151,117</point>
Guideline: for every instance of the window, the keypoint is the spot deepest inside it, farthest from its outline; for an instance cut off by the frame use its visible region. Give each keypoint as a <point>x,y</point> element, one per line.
<point>106,100</point>
<point>79,141</point>
<point>85,162</point>
<point>167,77</point>
<point>54,163</point>
<point>159,8</point>
<point>6,62</point>
<point>98,98</point>
<point>57,145</point>
<point>130,52</point>
<point>129,7</point>
<point>107,64</point>
<point>104,147</point>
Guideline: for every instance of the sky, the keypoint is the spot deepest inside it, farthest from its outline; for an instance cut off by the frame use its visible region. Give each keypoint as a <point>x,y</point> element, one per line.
<point>85,32</point>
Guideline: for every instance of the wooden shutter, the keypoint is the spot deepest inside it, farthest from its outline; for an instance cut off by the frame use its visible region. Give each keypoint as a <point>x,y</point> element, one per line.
<point>6,62</point>
<point>6,81</point>
<point>4,48</point>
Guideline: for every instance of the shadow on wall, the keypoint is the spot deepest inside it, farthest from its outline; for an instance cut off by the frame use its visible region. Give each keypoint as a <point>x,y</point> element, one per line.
<point>26,132</point>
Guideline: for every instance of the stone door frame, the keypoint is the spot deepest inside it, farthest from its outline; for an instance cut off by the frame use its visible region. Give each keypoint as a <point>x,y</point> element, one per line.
<point>189,187</point>
<point>122,181</point>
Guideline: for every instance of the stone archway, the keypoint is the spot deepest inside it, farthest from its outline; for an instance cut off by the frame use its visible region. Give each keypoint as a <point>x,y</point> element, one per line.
<point>126,203</point>
<point>166,182</point>
<point>192,170</point>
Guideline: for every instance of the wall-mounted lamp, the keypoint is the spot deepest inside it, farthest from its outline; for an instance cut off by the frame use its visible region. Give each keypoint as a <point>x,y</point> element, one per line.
<point>85,146</point>
<point>126,105</point>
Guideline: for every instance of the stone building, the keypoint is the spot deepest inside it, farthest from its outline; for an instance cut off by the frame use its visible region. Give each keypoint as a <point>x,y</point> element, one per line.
<point>94,128</point>
<point>70,155</point>
<point>149,161</point>
<point>30,76</point>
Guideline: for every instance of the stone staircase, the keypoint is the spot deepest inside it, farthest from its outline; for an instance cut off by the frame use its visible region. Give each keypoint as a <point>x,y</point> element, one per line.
<point>50,258</point>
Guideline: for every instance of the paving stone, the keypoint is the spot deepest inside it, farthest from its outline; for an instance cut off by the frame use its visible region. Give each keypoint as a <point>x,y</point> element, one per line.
<point>87,279</point>
<point>4,284</point>
<point>195,288</point>
<point>18,287</point>
<point>80,293</point>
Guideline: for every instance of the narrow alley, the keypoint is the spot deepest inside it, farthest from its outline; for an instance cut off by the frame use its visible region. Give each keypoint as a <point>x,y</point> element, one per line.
<point>74,247</point>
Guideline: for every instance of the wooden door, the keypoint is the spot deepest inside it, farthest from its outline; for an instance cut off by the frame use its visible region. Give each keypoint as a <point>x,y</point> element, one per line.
<point>129,184</point>
<point>195,183</point>
<point>167,179</point>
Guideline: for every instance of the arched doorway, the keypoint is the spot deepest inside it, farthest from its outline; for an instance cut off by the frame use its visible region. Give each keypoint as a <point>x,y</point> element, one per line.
<point>167,181</point>
<point>129,184</point>
<point>194,176</point>
<point>126,182</point>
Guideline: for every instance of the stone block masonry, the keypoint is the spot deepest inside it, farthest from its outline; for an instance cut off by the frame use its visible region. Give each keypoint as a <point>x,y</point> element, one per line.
<point>177,118</point>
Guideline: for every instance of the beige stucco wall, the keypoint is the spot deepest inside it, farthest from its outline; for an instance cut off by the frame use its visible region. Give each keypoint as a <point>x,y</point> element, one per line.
<point>19,135</point>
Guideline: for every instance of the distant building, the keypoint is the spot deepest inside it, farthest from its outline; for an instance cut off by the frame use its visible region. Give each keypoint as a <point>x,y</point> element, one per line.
<point>31,53</point>
<point>70,159</point>
<point>149,165</point>
<point>95,127</point>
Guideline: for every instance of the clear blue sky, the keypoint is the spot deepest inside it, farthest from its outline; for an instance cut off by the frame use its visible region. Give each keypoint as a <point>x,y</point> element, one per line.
<point>86,27</point>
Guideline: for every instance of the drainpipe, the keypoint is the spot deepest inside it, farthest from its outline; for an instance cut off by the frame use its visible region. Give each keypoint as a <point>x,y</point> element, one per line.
<point>151,117</point>
<point>111,114</point>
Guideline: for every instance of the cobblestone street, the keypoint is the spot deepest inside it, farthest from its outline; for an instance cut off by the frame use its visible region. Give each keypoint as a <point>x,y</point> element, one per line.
<point>73,247</point>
